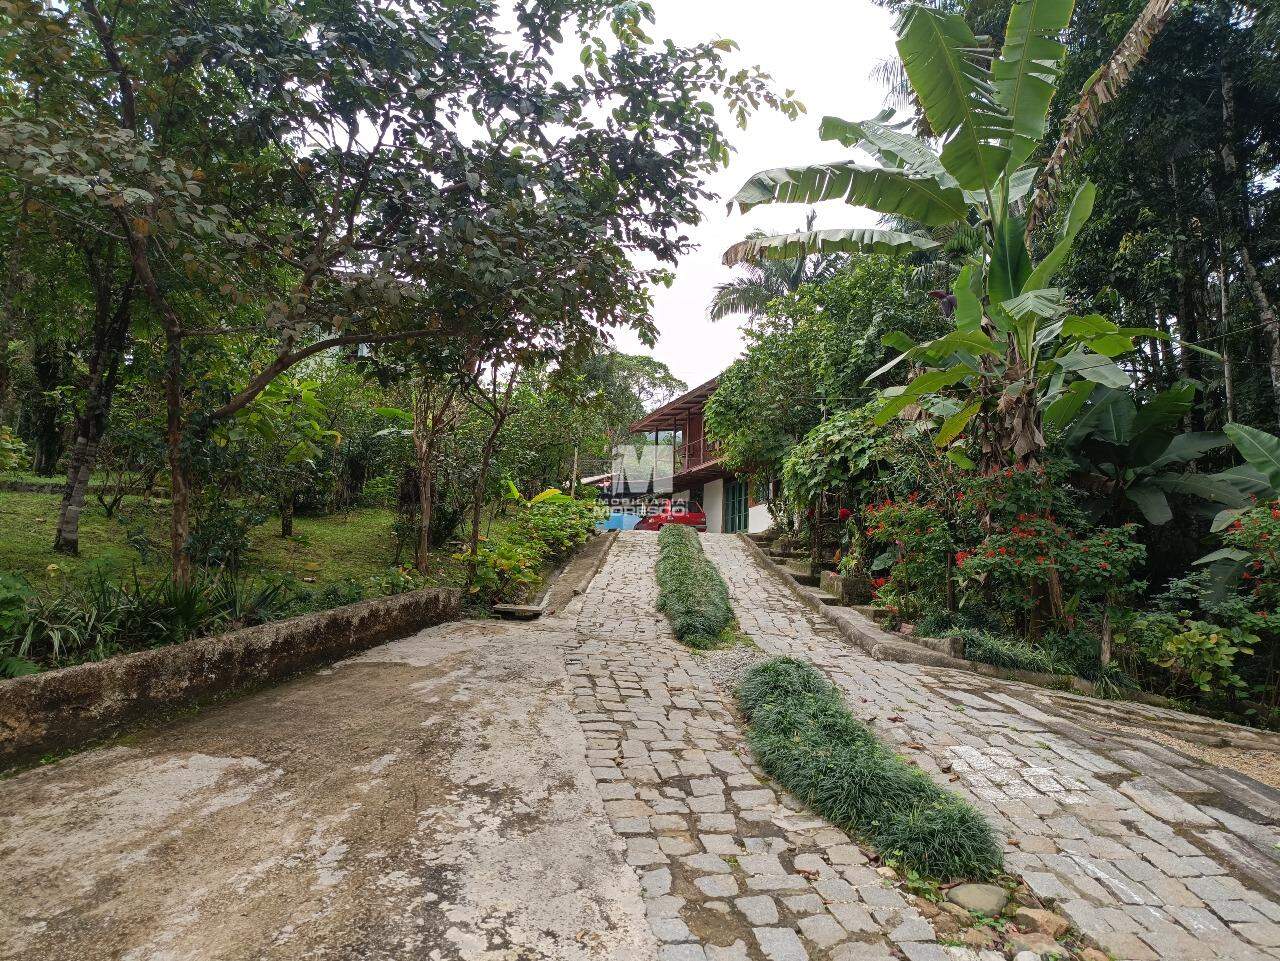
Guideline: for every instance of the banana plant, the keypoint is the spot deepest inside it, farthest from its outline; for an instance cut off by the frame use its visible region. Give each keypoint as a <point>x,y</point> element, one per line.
<point>1015,349</point>
<point>1126,450</point>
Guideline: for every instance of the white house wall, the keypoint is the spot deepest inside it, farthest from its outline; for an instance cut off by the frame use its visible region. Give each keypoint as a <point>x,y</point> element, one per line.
<point>758,519</point>
<point>713,505</point>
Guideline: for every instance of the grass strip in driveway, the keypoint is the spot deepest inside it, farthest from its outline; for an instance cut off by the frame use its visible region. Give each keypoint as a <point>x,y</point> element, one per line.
<point>803,736</point>
<point>691,591</point>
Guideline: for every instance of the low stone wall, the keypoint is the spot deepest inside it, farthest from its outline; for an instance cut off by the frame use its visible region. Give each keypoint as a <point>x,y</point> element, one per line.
<point>61,709</point>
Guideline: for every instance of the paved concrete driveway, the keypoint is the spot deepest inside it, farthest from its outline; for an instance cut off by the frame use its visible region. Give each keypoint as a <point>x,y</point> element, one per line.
<point>429,799</point>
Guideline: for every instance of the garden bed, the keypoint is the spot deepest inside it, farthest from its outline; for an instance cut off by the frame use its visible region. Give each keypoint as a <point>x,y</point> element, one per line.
<point>802,735</point>
<point>691,591</point>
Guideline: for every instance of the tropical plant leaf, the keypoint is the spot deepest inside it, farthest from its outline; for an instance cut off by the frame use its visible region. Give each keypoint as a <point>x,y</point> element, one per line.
<point>946,67</point>
<point>1110,419</point>
<point>886,190</point>
<point>1224,519</point>
<point>888,143</point>
<point>1188,447</point>
<point>1152,502</point>
<point>1043,302</point>
<point>1103,86</point>
<point>968,312</point>
<point>1168,407</point>
<point>1260,449</point>
<point>1224,554</point>
<point>1064,409</point>
<point>1077,216</point>
<point>1247,479</point>
<point>926,383</point>
<point>1010,262</point>
<point>954,425</point>
<point>850,240</point>
<point>1204,486</point>
<point>1093,367</point>
<point>1026,74</point>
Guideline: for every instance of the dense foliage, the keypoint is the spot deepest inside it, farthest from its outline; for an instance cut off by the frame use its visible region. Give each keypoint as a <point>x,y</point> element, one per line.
<point>1048,468</point>
<point>804,736</point>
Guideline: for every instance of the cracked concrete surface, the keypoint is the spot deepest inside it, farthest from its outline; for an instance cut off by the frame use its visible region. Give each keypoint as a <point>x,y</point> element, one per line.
<point>428,799</point>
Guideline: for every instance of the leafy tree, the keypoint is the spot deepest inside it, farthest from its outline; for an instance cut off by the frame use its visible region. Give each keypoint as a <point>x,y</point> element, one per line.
<point>361,173</point>
<point>809,356</point>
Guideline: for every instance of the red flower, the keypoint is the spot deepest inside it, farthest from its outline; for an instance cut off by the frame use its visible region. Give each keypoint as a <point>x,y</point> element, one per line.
<point>845,513</point>
<point>961,557</point>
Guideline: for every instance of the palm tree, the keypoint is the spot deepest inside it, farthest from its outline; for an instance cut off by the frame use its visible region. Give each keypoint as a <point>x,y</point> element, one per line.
<point>766,281</point>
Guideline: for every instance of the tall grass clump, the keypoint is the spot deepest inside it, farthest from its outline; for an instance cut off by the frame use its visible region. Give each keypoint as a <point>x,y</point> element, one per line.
<point>804,737</point>
<point>691,591</point>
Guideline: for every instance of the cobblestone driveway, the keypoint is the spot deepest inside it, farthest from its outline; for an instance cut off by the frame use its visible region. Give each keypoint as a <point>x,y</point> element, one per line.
<point>1149,852</point>
<point>728,871</point>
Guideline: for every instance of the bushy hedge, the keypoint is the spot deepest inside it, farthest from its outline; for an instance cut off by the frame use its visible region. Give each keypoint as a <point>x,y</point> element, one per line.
<point>804,737</point>
<point>691,591</point>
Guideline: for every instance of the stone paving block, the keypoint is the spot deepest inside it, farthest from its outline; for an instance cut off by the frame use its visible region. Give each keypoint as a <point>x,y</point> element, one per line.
<point>780,944</point>
<point>759,909</point>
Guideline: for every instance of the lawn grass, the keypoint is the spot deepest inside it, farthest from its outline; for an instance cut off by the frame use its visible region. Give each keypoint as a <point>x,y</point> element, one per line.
<point>328,550</point>
<point>691,591</point>
<point>802,734</point>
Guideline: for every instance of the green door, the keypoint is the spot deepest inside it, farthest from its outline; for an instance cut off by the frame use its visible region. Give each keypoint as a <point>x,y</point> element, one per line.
<point>735,506</point>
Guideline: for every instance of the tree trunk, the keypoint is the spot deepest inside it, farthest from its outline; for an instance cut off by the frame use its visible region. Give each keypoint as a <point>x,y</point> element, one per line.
<point>1188,315</point>
<point>66,539</point>
<point>111,327</point>
<point>432,413</point>
<point>286,515</point>
<point>47,434</point>
<point>477,497</point>
<point>1224,343</point>
<point>1104,651</point>
<point>179,475</point>
<point>1237,202</point>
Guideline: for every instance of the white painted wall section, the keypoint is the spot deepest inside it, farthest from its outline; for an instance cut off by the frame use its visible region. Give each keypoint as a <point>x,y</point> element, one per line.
<point>713,504</point>
<point>759,519</point>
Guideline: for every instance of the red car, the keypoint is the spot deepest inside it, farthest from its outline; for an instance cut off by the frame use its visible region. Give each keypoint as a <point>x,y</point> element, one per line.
<point>673,512</point>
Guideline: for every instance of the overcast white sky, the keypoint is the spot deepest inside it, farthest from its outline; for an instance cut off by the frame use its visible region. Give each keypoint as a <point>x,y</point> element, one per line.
<point>824,50</point>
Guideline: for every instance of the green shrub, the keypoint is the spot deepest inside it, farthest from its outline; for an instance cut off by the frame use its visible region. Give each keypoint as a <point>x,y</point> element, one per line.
<point>101,618</point>
<point>546,529</point>
<point>804,737</point>
<point>1013,653</point>
<point>691,591</point>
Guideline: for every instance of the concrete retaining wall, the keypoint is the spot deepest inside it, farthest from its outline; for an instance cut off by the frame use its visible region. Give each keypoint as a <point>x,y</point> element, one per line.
<point>61,709</point>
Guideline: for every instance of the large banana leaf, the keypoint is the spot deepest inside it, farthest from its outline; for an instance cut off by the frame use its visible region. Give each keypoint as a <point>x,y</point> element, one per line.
<point>1260,449</point>
<point>846,241</point>
<point>1010,263</point>
<point>1151,501</point>
<point>1110,419</point>
<point>1064,409</point>
<point>1189,446</point>
<point>889,191</point>
<point>888,142</point>
<point>1208,487</point>
<point>1026,74</point>
<point>950,78</point>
